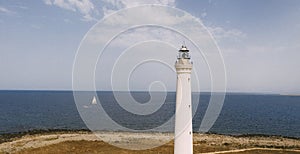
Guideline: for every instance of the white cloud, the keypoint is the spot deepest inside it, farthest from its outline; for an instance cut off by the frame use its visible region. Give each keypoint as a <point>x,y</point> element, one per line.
<point>120,4</point>
<point>136,16</point>
<point>220,33</point>
<point>85,7</point>
<point>131,17</point>
<point>132,3</point>
<point>6,11</point>
<point>48,2</point>
<point>88,10</point>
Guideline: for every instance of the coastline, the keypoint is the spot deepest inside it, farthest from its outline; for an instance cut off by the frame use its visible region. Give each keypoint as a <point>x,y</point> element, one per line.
<point>46,139</point>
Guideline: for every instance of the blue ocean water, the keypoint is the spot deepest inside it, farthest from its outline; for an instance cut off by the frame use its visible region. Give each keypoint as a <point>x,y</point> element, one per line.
<point>21,111</point>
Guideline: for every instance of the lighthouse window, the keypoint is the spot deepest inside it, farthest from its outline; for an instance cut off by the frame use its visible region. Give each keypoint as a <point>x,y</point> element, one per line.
<point>189,79</point>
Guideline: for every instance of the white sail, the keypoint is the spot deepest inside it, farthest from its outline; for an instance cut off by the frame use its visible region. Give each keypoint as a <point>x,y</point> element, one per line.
<point>94,101</point>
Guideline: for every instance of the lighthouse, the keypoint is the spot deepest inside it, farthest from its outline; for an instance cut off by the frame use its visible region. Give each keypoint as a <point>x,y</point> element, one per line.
<point>183,114</point>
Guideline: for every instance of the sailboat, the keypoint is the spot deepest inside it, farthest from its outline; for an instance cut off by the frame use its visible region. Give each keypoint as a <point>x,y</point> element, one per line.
<point>94,101</point>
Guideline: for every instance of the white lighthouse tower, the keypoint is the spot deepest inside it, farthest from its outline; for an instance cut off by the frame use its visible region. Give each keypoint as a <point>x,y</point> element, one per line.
<point>183,115</point>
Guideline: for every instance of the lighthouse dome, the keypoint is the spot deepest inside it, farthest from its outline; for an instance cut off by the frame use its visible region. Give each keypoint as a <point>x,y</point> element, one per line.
<point>184,49</point>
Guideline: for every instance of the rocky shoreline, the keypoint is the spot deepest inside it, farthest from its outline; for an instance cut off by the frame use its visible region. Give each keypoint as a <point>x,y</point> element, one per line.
<point>7,137</point>
<point>39,139</point>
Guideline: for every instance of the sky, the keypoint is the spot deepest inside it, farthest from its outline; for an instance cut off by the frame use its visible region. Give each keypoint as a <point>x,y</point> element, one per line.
<point>259,41</point>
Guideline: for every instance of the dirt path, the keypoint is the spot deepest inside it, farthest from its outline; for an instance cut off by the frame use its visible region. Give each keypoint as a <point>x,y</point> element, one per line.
<point>271,150</point>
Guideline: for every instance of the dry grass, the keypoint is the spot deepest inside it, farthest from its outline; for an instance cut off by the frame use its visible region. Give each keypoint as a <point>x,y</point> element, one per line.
<point>84,142</point>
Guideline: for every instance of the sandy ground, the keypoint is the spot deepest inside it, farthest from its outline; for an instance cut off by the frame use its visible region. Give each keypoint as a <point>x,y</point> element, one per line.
<point>85,142</point>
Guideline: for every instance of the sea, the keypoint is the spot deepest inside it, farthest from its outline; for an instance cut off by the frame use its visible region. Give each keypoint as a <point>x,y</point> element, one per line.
<point>241,114</point>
